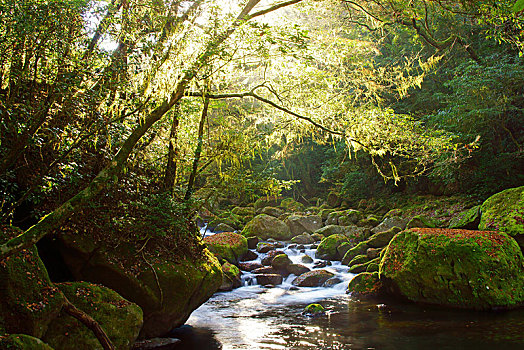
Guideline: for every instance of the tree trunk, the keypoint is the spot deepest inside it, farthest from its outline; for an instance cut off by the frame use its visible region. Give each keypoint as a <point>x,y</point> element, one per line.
<point>198,150</point>
<point>172,153</point>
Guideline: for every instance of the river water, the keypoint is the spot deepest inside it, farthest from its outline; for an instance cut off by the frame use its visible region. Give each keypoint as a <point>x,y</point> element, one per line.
<point>255,317</point>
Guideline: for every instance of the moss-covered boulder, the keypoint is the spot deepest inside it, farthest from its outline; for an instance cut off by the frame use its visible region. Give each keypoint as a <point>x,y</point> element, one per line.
<point>22,342</point>
<point>350,217</point>
<point>166,282</point>
<point>227,245</point>
<point>28,299</point>
<point>120,319</point>
<point>469,219</point>
<point>327,249</point>
<point>359,259</point>
<point>314,278</point>
<point>297,269</point>
<point>365,285</point>
<point>272,211</point>
<point>504,211</point>
<point>422,221</point>
<point>304,238</point>
<point>292,205</point>
<point>299,224</point>
<point>324,213</point>
<point>243,211</point>
<point>390,222</point>
<point>265,226</point>
<point>459,268</point>
<point>231,277</point>
<point>359,249</point>
<point>382,239</point>
<point>281,262</point>
<point>267,201</point>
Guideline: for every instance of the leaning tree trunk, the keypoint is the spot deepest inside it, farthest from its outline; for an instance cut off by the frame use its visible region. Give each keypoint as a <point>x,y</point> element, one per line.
<point>172,153</point>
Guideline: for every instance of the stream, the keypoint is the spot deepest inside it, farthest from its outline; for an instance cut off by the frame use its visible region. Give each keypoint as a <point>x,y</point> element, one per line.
<point>257,317</point>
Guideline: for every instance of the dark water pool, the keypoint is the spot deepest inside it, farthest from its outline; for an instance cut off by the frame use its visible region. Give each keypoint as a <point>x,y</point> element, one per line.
<point>256,318</point>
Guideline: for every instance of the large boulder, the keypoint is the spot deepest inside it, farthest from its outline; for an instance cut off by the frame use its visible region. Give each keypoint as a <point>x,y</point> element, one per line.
<point>272,211</point>
<point>120,319</point>
<point>459,268</point>
<point>365,285</point>
<point>28,299</point>
<point>227,245</point>
<point>304,238</point>
<point>469,219</point>
<point>267,201</point>
<point>382,239</point>
<point>329,230</point>
<point>231,277</point>
<point>350,217</point>
<point>327,249</point>
<point>265,226</point>
<point>292,205</point>
<point>504,211</point>
<point>299,224</point>
<point>314,278</point>
<point>359,249</point>
<point>422,221</point>
<point>167,282</point>
<point>269,278</point>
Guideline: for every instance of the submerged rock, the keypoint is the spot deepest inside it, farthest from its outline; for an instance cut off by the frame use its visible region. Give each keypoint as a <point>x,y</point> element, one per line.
<point>264,226</point>
<point>297,269</point>
<point>315,278</point>
<point>460,268</point>
<point>229,246</point>
<point>269,279</point>
<point>120,319</point>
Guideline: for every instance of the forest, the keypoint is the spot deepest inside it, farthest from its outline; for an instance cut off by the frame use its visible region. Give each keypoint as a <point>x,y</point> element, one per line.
<point>176,174</point>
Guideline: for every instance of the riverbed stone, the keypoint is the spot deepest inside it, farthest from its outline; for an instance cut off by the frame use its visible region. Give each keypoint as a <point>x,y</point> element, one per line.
<point>350,217</point>
<point>269,279</point>
<point>461,268</point>
<point>333,199</point>
<point>315,278</point>
<point>327,249</point>
<point>120,319</point>
<point>504,211</point>
<point>249,256</point>
<point>468,219</point>
<point>250,265</point>
<point>314,310</point>
<point>266,261</point>
<point>331,282</point>
<point>264,226</point>
<point>281,262</point>
<point>373,253</point>
<point>343,248</point>
<point>264,270</point>
<point>297,269</point>
<point>222,227</point>
<point>291,205</point>
<point>252,242</point>
<point>231,277</point>
<point>382,239</point>
<point>264,247</point>
<point>229,246</point>
<point>299,224</point>
<point>243,211</point>
<point>306,259</point>
<point>304,238</point>
<point>267,201</point>
<point>28,299</point>
<point>324,213</point>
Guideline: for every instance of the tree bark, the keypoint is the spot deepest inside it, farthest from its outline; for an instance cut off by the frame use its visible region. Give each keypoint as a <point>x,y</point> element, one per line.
<point>198,150</point>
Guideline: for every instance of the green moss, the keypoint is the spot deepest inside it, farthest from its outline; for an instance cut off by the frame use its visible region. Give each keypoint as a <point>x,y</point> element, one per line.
<point>327,249</point>
<point>22,342</point>
<point>421,221</point>
<point>264,226</point>
<point>268,201</point>
<point>381,239</point>
<point>29,301</point>
<point>314,309</point>
<point>227,245</point>
<point>281,261</point>
<point>468,269</point>
<point>359,259</point>
<point>291,205</point>
<point>120,319</point>
<point>504,211</point>
<point>359,249</point>
<point>324,213</point>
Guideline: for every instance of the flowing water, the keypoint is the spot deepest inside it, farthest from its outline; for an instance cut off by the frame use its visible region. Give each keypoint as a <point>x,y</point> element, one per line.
<point>254,317</point>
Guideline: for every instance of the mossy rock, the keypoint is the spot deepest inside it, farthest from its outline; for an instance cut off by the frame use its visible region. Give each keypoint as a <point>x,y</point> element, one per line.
<point>324,213</point>
<point>120,319</point>
<point>227,245</point>
<point>469,219</point>
<point>314,310</point>
<point>373,266</point>
<point>389,223</point>
<point>29,300</point>
<point>167,290</point>
<point>365,284</point>
<point>333,199</point>
<point>281,262</point>
<point>327,249</point>
<point>382,239</point>
<point>304,238</point>
<point>504,211</point>
<point>458,268</point>
<point>264,226</point>
<point>314,278</point>
<point>350,217</point>
<point>299,224</point>
<point>243,211</point>
<point>422,221</point>
<point>329,230</point>
<point>359,249</point>
<point>272,211</point>
<point>291,205</point>
<point>359,259</point>
<point>22,342</point>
